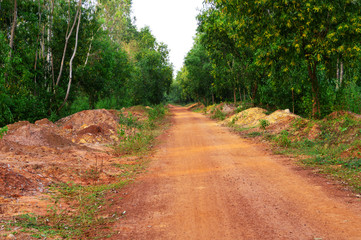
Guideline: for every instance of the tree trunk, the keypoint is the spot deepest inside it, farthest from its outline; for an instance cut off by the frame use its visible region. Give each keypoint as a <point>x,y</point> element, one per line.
<point>36,52</point>
<point>12,36</point>
<point>254,92</point>
<point>13,27</point>
<point>72,58</point>
<point>293,101</point>
<point>67,36</point>
<point>51,58</point>
<point>312,73</point>
<point>234,96</point>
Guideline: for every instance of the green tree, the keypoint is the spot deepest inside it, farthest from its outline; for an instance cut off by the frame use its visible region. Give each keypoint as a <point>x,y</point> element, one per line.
<point>293,31</point>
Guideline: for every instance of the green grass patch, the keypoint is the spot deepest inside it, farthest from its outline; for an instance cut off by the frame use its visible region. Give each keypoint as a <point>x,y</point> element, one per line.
<point>218,114</point>
<point>136,136</point>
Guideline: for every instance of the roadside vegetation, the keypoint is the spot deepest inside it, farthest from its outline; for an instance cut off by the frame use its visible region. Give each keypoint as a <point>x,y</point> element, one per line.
<point>297,55</point>
<point>268,55</point>
<point>330,146</point>
<point>76,211</point>
<point>61,57</point>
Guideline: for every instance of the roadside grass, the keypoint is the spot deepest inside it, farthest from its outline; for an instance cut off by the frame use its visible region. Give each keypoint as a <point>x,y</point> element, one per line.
<point>74,212</point>
<point>331,146</point>
<point>77,212</point>
<point>138,136</point>
<point>218,114</point>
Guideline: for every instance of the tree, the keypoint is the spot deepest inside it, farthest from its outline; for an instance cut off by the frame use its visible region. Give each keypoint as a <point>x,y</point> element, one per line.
<point>199,76</point>
<point>291,31</point>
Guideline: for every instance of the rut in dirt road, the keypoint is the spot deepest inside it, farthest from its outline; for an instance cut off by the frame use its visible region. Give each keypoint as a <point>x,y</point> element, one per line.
<point>207,183</point>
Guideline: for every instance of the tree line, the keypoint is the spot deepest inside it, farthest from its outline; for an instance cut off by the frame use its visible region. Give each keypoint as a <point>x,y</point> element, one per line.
<point>59,57</point>
<point>300,55</point>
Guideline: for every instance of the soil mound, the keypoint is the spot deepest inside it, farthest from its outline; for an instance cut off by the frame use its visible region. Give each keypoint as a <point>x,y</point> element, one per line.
<point>84,119</point>
<point>228,109</point>
<point>14,184</point>
<point>91,126</point>
<point>34,135</point>
<point>280,120</point>
<point>281,116</point>
<point>248,118</point>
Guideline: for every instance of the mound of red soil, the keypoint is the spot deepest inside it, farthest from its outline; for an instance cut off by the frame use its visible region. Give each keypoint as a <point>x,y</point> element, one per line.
<point>14,184</point>
<point>34,135</point>
<point>84,119</point>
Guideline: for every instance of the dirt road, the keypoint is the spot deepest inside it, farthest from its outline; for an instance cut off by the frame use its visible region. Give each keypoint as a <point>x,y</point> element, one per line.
<point>207,183</point>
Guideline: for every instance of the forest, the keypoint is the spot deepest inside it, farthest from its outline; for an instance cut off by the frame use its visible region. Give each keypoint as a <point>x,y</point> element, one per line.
<point>282,54</point>
<point>61,57</point>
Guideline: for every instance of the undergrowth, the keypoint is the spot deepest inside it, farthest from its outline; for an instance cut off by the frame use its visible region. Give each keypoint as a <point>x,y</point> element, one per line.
<point>137,136</point>
<point>218,114</point>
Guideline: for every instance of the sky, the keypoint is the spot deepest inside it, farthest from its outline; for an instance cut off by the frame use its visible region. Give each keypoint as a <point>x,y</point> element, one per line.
<point>172,22</point>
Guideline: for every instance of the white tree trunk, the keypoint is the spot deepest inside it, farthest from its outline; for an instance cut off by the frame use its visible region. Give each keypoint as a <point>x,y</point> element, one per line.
<point>67,36</point>
<point>12,35</point>
<point>72,58</point>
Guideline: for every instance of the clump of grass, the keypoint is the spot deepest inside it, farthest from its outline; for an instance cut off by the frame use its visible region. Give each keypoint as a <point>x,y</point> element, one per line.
<point>218,114</point>
<point>3,131</point>
<point>136,136</point>
<point>263,123</point>
<point>254,134</point>
<point>74,212</point>
<point>283,139</point>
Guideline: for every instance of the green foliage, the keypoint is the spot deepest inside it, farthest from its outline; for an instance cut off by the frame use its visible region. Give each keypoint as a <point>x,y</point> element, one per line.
<point>218,114</point>
<point>290,55</point>
<point>136,137</point>
<point>283,139</point>
<point>254,134</point>
<point>263,124</point>
<point>195,77</point>
<point>3,131</point>
<point>130,121</point>
<point>85,205</point>
<point>175,93</point>
<point>115,65</point>
<point>156,113</point>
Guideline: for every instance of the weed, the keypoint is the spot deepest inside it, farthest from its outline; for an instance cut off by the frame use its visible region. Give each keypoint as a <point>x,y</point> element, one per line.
<point>233,122</point>
<point>283,139</point>
<point>218,114</point>
<point>3,131</point>
<point>136,137</point>
<point>254,134</point>
<point>80,214</point>
<point>129,121</point>
<point>264,123</point>
<point>240,109</point>
<point>354,163</point>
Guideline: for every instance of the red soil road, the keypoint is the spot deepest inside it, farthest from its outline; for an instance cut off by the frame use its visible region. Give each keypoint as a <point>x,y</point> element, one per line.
<point>207,183</point>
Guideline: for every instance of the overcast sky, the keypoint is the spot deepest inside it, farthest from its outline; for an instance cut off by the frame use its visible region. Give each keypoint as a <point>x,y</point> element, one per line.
<point>172,22</point>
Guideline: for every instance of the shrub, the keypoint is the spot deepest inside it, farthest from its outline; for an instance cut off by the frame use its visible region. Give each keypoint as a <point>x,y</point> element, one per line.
<point>263,124</point>
<point>218,114</point>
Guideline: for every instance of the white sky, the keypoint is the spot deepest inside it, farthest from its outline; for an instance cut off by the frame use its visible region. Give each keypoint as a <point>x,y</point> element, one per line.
<point>172,22</point>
